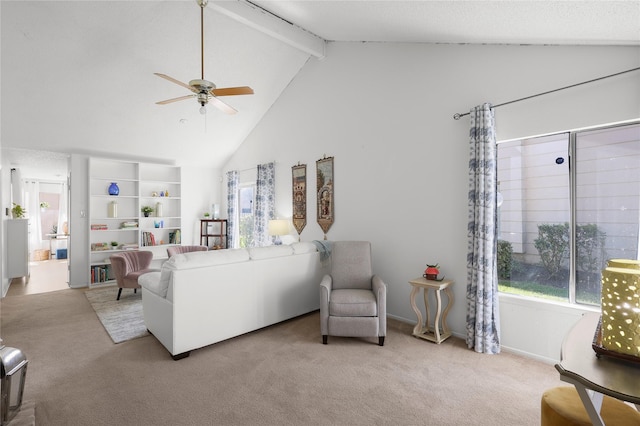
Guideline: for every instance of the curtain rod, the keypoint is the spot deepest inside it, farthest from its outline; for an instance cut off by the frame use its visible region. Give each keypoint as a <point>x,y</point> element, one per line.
<point>457,116</point>
<point>254,167</point>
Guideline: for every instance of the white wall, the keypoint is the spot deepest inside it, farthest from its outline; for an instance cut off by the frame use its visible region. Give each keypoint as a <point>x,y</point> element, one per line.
<point>200,189</point>
<point>4,204</point>
<point>4,282</point>
<point>79,221</point>
<point>384,111</point>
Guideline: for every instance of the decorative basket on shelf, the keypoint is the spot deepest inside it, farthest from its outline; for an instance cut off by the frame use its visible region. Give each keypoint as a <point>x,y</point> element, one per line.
<point>621,307</point>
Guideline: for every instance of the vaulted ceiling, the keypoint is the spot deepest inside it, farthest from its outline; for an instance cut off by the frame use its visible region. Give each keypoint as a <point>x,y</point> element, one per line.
<point>78,76</point>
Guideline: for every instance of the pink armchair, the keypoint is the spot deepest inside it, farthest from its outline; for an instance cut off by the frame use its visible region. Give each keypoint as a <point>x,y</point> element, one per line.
<point>128,266</point>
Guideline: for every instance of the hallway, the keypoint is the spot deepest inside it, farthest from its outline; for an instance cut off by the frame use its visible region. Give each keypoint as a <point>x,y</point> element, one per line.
<point>46,276</point>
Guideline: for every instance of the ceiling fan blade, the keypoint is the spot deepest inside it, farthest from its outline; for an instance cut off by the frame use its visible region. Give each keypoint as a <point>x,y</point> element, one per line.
<point>173,80</point>
<point>230,91</point>
<point>222,106</point>
<point>205,91</point>
<point>181,98</point>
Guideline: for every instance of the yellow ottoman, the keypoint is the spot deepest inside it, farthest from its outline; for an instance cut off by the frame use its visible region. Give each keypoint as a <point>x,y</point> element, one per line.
<point>563,406</point>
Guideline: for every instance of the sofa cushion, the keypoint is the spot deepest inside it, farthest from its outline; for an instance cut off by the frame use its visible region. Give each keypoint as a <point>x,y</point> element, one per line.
<point>159,282</point>
<point>201,259</point>
<point>353,303</point>
<point>304,247</point>
<point>268,252</point>
<point>151,282</point>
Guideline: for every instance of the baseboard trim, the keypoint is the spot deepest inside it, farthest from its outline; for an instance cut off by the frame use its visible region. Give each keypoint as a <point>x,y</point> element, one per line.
<point>502,347</point>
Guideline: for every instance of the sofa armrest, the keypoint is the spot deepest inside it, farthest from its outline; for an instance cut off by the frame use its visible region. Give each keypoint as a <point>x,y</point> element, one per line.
<point>325,295</point>
<point>380,290</point>
<point>151,282</point>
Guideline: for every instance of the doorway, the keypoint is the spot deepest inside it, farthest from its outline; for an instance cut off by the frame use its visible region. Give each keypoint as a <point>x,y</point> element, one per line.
<point>39,183</point>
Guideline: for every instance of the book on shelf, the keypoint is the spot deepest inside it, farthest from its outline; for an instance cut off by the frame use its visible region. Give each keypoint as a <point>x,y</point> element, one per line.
<point>124,225</point>
<point>98,227</point>
<point>131,246</point>
<point>99,246</point>
<point>148,239</point>
<point>101,274</point>
<point>174,237</point>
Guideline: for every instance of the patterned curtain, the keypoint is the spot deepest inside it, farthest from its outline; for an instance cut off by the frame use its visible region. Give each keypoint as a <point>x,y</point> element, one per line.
<point>265,202</point>
<point>483,321</point>
<point>232,207</point>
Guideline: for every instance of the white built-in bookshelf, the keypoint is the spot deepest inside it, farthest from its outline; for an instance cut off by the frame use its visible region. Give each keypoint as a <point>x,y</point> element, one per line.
<point>119,219</point>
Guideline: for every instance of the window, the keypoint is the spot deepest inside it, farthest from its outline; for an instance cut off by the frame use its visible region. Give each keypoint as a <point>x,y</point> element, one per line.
<point>246,198</point>
<point>49,214</point>
<point>567,203</point>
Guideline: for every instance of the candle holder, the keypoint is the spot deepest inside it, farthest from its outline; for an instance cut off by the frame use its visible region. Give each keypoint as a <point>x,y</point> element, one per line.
<point>621,310</point>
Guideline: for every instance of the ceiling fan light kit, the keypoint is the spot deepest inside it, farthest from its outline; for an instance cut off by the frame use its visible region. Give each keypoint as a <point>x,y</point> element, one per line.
<point>204,90</point>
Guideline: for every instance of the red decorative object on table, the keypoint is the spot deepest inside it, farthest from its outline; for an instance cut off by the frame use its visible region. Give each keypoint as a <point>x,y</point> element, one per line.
<point>431,273</point>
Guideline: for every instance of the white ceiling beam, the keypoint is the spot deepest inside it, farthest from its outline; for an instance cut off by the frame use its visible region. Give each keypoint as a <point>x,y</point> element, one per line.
<point>270,24</point>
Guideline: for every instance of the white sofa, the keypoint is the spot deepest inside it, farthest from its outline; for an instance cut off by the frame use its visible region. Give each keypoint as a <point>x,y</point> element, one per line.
<point>201,298</point>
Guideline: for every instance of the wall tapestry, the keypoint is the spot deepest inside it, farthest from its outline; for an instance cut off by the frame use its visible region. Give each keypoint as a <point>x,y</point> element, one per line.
<point>299,187</point>
<point>324,181</point>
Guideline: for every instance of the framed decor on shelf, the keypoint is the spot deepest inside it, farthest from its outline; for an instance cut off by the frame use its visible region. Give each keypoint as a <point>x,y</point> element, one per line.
<point>325,186</point>
<point>299,196</point>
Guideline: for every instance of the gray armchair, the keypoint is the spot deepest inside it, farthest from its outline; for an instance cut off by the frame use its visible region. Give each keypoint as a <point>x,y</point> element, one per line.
<point>353,301</point>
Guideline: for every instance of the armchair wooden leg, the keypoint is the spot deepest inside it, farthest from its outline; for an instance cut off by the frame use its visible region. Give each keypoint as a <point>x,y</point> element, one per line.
<point>119,292</point>
<point>381,340</point>
<point>324,339</point>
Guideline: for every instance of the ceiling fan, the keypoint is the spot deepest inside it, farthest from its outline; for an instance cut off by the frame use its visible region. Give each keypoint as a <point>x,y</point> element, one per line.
<point>203,90</point>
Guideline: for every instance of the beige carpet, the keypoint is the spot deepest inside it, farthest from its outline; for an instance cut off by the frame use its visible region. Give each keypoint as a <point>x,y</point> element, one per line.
<point>122,319</point>
<point>281,375</point>
<point>25,416</point>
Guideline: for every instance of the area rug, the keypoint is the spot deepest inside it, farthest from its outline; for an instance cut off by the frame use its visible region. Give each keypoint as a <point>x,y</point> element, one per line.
<point>122,318</point>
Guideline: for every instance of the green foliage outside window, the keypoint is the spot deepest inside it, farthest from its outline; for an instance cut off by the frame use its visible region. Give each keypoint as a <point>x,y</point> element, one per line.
<point>246,230</point>
<point>553,246</point>
<point>505,259</point>
<point>591,253</point>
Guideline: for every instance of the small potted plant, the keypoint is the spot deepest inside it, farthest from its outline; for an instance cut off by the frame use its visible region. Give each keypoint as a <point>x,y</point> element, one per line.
<point>17,211</point>
<point>207,215</point>
<point>114,245</point>
<point>146,210</point>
